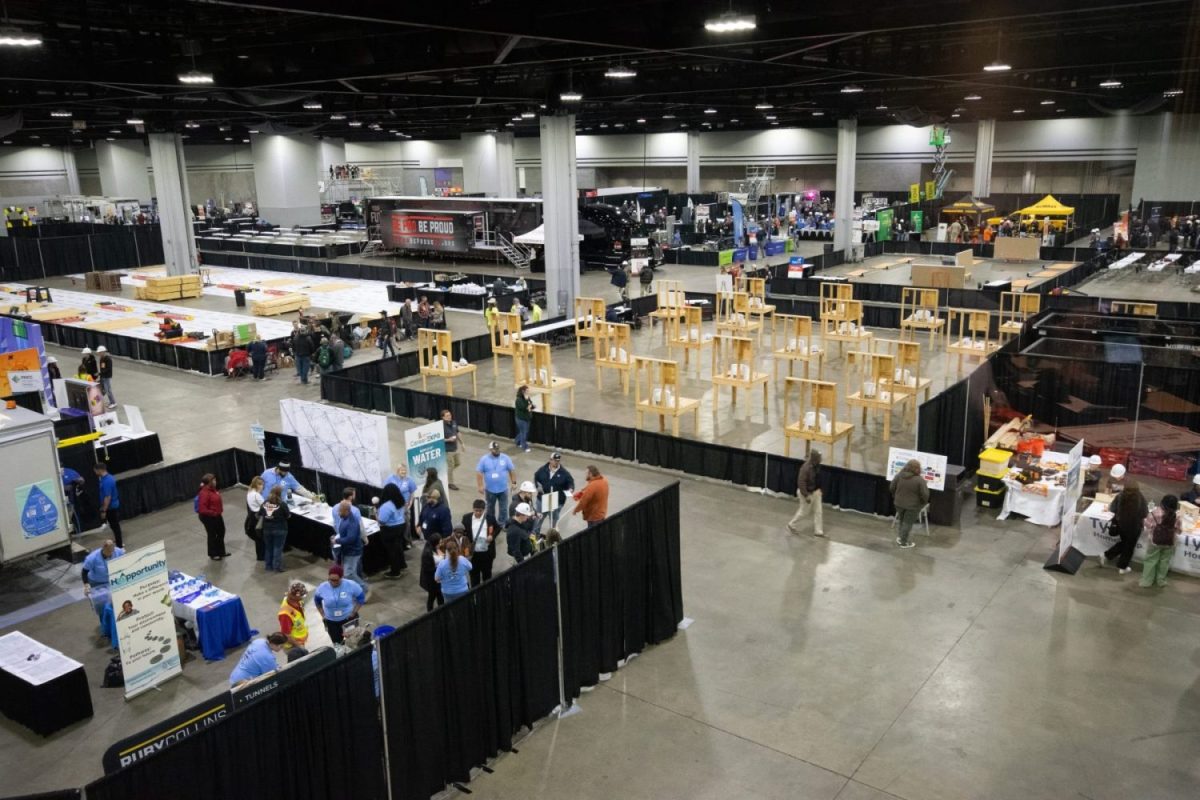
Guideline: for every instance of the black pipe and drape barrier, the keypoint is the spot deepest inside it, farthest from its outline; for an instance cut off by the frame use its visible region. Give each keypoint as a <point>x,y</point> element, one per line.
<point>34,257</point>
<point>614,588</point>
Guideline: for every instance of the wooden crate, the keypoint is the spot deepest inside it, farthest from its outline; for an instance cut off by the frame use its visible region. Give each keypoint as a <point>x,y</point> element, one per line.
<point>283,304</point>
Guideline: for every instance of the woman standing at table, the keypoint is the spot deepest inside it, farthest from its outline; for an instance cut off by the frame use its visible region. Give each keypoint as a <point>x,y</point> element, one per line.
<point>253,524</point>
<point>211,510</point>
<point>431,556</point>
<point>275,515</point>
<point>1128,510</point>
<point>1164,525</point>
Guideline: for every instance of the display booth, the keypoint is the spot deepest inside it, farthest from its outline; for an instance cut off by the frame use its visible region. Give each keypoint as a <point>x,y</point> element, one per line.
<point>533,367</point>
<point>505,332</point>
<point>972,213</point>
<point>689,334</point>
<point>734,365</point>
<point>792,341</point>
<point>876,390</point>
<point>657,392</point>
<point>969,334</point>
<point>919,312</point>
<point>435,350</point>
<point>589,313</point>
<point>816,420</point>
<point>614,350</point>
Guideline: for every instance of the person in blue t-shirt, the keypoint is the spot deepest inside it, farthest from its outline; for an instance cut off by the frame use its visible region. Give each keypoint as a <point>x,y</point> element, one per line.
<point>72,486</point>
<point>408,490</point>
<point>349,494</point>
<point>495,477</point>
<point>95,575</point>
<point>349,537</point>
<point>453,573</point>
<point>258,660</point>
<point>281,474</point>
<point>391,529</point>
<point>338,600</point>
<point>110,502</point>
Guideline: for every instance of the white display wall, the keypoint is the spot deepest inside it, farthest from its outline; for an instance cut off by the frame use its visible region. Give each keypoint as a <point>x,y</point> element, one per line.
<point>339,441</point>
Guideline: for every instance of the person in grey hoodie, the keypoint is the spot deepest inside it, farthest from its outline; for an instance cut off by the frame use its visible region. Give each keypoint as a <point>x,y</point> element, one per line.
<point>910,493</point>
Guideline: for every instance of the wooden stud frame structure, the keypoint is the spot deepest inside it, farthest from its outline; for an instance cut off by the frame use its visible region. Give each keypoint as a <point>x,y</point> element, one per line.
<point>533,367</point>
<point>849,313</point>
<point>662,397</point>
<point>1015,308</point>
<point>915,304</point>
<point>505,331</point>
<point>969,333</point>
<point>756,290</point>
<point>671,302</point>
<point>815,396</point>
<point>908,357</point>
<point>689,334</point>
<point>878,369</point>
<point>434,349</point>
<point>795,330</point>
<point>733,314</point>
<point>589,312</point>
<point>613,339</point>
<point>730,352</point>
<point>1135,309</point>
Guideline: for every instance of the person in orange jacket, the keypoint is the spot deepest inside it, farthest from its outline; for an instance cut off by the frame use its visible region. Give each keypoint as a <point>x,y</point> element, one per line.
<point>592,501</point>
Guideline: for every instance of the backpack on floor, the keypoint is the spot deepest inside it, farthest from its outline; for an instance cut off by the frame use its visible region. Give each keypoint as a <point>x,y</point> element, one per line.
<point>114,674</point>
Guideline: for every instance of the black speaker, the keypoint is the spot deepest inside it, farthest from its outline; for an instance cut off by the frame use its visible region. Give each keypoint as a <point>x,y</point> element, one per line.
<point>1070,563</point>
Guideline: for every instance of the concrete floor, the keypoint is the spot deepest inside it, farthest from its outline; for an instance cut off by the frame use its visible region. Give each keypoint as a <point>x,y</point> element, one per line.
<point>815,668</point>
<point>983,271</point>
<point>1167,286</point>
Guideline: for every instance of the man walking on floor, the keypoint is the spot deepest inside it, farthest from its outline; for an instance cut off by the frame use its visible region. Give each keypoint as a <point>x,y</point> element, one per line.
<point>452,439</point>
<point>808,487</point>
<point>110,502</point>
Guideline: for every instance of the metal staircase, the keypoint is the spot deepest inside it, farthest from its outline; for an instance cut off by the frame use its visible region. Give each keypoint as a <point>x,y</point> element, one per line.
<point>518,255</point>
<point>758,182</point>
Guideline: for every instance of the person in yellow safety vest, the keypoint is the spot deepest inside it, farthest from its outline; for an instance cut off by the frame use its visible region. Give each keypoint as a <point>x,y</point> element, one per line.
<point>536,314</point>
<point>292,623</point>
<point>491,312</point>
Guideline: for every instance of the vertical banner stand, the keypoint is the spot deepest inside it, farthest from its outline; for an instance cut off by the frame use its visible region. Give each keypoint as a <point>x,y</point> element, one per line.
<point>563,710</point>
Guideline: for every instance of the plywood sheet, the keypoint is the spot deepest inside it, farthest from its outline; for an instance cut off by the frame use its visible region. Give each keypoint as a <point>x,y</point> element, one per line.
<point>1010,248</point>
<point>329,287</point>
<point>277,282</point>
<point>111,325</point>
<point>49,314</point>
<point>1046,273</point>
<point>1149,435</point>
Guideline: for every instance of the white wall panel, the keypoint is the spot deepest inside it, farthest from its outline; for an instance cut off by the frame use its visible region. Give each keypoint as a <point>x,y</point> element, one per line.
<point>1168,158</point>
<point>1070,139</point>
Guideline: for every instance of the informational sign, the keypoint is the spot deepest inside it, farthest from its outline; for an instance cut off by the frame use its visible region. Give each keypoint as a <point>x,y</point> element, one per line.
<point>294,672</point>
<point>917,220</point>
<point>933,466</point>
<point>1074,476</point>
<point>338,441</point>
<point>21,364</point>
<point>914,193</point>
<point>425,446</point>
<point>931,190</point>
<point>444,232</point>
<point>737,222</point>
<point>24,381</point>
<point>170,731</point>
<point>870,225</point>
<point>796,267</point>
<point>84,396</point>
<point>282,447</point>
<point>141,601</point>
<point>133,416</point>
<point>702,212</point>
<point>259,434</point>
<point>40,511</point>
<point>886,218</point>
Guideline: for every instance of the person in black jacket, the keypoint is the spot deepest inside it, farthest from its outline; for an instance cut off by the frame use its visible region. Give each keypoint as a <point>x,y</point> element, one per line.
<point>520,526</point>
<point>258,358</point>
<point>428,567</point>
<point>435,517</point>
<point>1129,511</point>
<point>553,477</point>
<point>302,349</point>
<point>481,529</point>
<point>808,488</point>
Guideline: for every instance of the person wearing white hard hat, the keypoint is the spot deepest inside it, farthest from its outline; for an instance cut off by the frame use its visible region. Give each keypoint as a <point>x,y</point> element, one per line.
<point>88,370</point>
<point>1192,495</point>
<point>526,493</point>
<point>517,532</point>
<point>52,368</point>
<point>1093,472</point>
<point>1116,480</point>
<point>106,373</point>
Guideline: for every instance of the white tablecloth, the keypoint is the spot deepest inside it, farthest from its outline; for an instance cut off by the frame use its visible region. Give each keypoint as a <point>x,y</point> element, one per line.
<point>190,595</point>
<point>1040,509</point>
<point>320,512</point>
<point>1086,533</point>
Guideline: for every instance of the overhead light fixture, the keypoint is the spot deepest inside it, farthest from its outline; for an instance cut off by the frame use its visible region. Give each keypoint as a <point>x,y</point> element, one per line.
<point>734,120</point>
<point>195,76</point>
<point>114,130</point>
<point>603,124</point>
<point>6,141</point>
<point>1047,103</point>
<point>109,139</point>
<point>620,72</point>
<point>492,130</point>
<point>252,130</point>
<point>1111,83</point>
<point>1060,110</point>
<point>527,115</point>
<point>955,115</point>
<point>229,138</point>
<point>60,113</point>
<point>851,89</point>
<point>191,125</point>
<point>45,144</point>
<point>224,128</point>
<point>731,22</point>
<point>135,121</point>
<point>997,66</point>
<point>683,124</point>
<point>509,125</point>
<point>710,111</point>
<point>245,141</point>
<point>337,117</point>
<point>774,123</point>
<point>973,97</point>
<point>570,97</point>
<point>312,105</point>
<point>770,116</point>
<point>668,116</point>
<point>619,125</point>
<point>881,107</point>
<point>1018,111</point>
<point>763,106</point>
<point>35,136</point>
<point>355,123</point>
<point>11,36</point>
<point>818,113</point>
<point>516,119</point>
<point>1172,92</point>
<point>641,120</point>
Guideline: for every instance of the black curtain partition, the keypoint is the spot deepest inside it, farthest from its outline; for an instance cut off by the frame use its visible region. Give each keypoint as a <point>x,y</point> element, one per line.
<point>65,794</point>
<point>320,737</point>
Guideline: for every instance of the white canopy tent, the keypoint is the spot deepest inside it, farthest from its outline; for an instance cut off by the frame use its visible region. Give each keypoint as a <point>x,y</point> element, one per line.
<point>537,236</point>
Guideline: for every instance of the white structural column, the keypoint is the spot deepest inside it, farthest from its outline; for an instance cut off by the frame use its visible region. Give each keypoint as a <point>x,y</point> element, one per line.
<point>985,140</point>
<point>506,166</point>
<point>122,166</point>
<point>843,201</point>
<point>285,179</point>
<point>174,204</point>
<point>560,214</point>
<point>693,162</point>
<point>333,152</point>
<point>1029,178</point>
<point>71,170</point>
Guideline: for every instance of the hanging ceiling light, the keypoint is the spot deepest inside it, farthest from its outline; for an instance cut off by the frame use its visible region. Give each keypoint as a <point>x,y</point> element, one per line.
<point>763,106</point>
<point>1047,102</point>
<point>997,66</point>
<point>770,117</point>
<point>337,117</point>
<point>668,116</point>
<point>1111,83</point>
<point>62,113</point>
<point>355,123</point>
<point>12,36</point>
<point>731,22</point>
<point>972,97</point>
<point>527,115</point>
<point>818,113</point>
<point>135,121</point>
<point>1172,92</point>
<point>851,88</point>
<point>191,125</point>
<point>620,72</point>
<point>710,111</point>
<point>195,76</point>
<point>312,105</point>
<point>570,97</point>
<point>1018,111</point>
<point>641,120</point>
<point>881,107</point>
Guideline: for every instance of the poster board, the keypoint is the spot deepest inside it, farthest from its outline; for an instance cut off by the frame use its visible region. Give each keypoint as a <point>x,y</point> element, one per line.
<point>20,362</point>
<point>1012,248</point>
<point>425,447</point>
<point>933,466</point>
<point>1074,474</point>
<point>339,441</point>
<point>796,267</point>
<point>141,600</point>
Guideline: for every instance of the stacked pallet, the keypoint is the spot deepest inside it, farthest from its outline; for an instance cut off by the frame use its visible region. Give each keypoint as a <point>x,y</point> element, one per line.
<point>103,281</point>
<point>281,304</point>
<point>172,287</point>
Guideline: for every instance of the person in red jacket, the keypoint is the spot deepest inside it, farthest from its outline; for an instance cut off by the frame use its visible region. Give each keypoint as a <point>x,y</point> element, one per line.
<point>210,509</point>
<point>592,502</point>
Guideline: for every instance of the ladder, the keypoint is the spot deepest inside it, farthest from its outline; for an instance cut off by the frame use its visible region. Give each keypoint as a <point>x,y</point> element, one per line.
<point>758,179</point>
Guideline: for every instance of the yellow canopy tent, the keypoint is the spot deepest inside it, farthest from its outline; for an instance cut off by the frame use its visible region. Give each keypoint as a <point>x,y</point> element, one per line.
<point>1048,206</point>
<point>969,208</point>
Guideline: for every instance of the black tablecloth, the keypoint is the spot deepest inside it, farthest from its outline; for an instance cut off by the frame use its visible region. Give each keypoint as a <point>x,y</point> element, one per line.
<point>131,454</point>
<point>313,537</point>
<point>47,708</point>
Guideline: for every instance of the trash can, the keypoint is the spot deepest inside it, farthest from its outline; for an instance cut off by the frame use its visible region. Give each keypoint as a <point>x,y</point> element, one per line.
<point>239,297</point>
